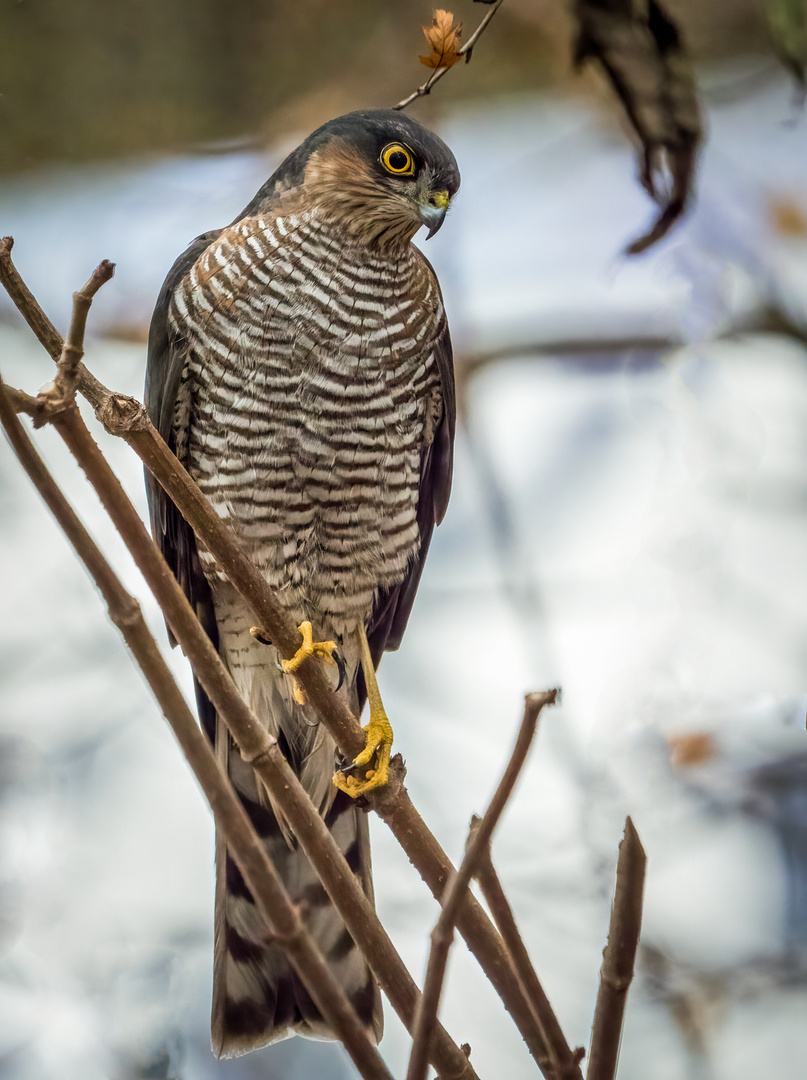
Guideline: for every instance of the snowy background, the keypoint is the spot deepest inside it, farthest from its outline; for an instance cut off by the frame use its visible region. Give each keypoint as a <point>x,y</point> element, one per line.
<point>629,522</point>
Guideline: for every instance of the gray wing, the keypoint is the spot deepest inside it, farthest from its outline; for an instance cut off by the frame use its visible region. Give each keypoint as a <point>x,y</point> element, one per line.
<point>172,534</point>
<point>166,360</point>
<point>393,606</point>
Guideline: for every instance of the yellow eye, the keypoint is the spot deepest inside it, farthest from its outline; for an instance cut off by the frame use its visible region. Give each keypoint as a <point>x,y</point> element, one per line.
<point>397,159</point>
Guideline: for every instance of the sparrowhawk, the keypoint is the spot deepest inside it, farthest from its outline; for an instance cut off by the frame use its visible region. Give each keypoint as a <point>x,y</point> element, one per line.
<point>300,367</point>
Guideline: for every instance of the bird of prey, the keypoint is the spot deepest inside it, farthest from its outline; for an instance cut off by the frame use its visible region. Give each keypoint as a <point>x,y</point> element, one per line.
<point>300,367</point>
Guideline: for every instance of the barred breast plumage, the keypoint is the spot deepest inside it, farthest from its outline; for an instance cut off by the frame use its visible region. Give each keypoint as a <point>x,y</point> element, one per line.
<point>300,367</point>
<point>312,388</point>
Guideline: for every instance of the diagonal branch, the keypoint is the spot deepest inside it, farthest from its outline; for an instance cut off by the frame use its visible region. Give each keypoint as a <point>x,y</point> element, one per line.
<point>565,1062</point>
<point>126,417</point>
<point>443,933</point>
<point>62,391</point>
<point>26,303</point>
<point>619,956</point>
<point>255,744</point>
<point>465,51</point>
<point>258,870</point>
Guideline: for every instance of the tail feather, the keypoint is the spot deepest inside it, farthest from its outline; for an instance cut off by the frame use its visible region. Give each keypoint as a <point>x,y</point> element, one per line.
<point>257,997</point>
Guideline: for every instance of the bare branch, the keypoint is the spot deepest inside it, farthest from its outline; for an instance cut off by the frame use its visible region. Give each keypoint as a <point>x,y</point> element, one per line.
<point>564,1062</point>
<point>253,861</point>
<point>443,933</point>
<point>41,325</point>
<point>619,956</point>
<point>62,391</point>
<point>588,348</point>
<point>465,51</point>
<point>126,417</point>
<point>255,744</point>
<point>395,808</point>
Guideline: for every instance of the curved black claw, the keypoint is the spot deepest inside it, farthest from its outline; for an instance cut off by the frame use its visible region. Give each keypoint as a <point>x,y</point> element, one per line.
<point>340,663</point>
<point>347,768</point>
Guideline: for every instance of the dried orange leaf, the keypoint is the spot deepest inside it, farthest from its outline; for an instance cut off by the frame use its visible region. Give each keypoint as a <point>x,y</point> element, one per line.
<point>787,216</point>
<point>443,38</point>
<point>693,748</point>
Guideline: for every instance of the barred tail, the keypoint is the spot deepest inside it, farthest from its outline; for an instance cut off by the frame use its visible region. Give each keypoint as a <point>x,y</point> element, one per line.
<point>257,996</point>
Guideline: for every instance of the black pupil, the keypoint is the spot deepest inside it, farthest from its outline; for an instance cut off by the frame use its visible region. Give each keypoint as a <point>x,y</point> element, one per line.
<point>398,160</point>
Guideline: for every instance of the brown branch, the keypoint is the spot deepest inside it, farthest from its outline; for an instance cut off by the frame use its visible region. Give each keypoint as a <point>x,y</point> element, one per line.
<point>253,861</point>
<point>43,328</point>
<point>619,956</point>
<point>254,742</point>
<point>395,808</point>
<point>594,348</point>
<point>443,933</point>
<point>126,417</point>
<point>62,391</point>
<point>465,51</point>
<point>565,1062</point>
<point>256,745</point>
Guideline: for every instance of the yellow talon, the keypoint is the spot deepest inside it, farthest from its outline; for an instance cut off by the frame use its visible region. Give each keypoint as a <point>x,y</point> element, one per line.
<point>378,734</point>
<point>309,647</point>
<point>377,750</point>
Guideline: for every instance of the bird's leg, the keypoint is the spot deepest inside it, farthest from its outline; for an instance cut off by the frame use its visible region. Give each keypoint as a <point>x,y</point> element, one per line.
<point>378,746</point>
<point>309,647</point>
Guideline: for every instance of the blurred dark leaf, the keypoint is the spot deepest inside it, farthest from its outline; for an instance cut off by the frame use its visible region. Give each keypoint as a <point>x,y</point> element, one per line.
<point>788,22</point>
<point>640,50</point>
<point>443,38</point>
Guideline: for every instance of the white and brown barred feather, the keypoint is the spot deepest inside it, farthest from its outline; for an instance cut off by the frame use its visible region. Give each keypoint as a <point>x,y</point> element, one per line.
<point>300,366</point>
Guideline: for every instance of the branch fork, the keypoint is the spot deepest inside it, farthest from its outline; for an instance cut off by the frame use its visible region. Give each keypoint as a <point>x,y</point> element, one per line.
<point>502,957</point>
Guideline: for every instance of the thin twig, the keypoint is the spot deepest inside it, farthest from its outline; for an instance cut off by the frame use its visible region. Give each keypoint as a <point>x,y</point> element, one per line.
<point>443,933</point>
<point>619,957</point>
<point>125,417</point>
<point>465,51</point>
<point>250,854</point>
<point>565,1062</point>
<point>62,391</point>
<point>595,348</point>
<point>41,325</point>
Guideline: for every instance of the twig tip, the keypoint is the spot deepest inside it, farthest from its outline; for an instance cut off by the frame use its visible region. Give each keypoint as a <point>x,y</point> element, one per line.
<point>631,838</point>
<point>537,699</point>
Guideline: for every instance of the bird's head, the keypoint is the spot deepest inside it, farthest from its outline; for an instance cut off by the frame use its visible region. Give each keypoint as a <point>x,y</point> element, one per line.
<point>378,175</point>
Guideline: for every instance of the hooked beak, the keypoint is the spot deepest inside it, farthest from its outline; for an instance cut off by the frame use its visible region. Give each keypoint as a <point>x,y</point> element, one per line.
<point>433,212</point>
